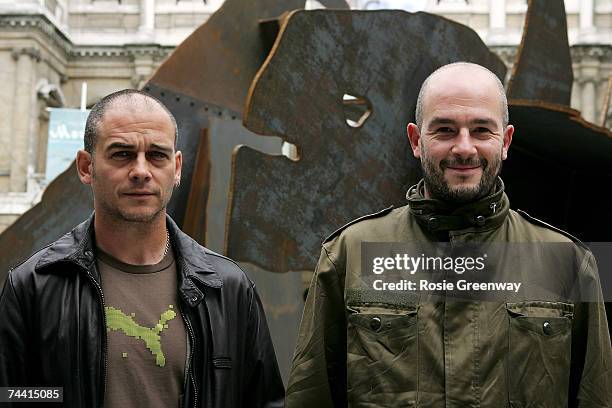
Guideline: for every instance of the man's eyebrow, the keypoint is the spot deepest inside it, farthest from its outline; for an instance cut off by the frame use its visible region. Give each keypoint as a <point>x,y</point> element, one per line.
<point>446,121</point>
<point>484,121</point>
<point>441,121</point>
<point>119,145</point>
<point>163,148</point>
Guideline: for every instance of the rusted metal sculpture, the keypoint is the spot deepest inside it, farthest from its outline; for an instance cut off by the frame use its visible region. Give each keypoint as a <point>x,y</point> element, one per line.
<point>282,209</point>
<point>564,157</point>
<point>543,70</point>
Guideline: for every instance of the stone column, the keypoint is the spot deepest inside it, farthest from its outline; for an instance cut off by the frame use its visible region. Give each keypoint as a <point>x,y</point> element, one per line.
<point>590,77</point>
<point>576,102</point>
<point>24,104</point>
<point>497,16</point>
<point>143,66</point>
<point>7,78</point>
<point>586,14</point>
<point>42,140</point>
<point>147,16</point>
<point>589,94</point>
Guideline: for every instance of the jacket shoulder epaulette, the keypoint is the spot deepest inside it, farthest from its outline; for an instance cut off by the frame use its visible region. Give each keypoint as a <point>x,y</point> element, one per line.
<point>356,220</point>
<point>544,224</point>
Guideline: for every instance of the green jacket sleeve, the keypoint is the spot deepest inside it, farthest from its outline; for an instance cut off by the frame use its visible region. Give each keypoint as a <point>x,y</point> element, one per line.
<point>318,371</point>
<point>591,374</point>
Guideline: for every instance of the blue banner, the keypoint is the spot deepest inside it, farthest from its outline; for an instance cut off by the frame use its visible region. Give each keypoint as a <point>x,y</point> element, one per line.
<point>66,128</point>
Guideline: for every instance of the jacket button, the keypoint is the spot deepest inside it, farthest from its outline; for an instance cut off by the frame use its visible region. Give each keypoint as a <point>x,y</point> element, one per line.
<point>375,323</point>
<point>433,223</point>
<point>480,220</point>
<point>194,298</point>
<point>547,328</point>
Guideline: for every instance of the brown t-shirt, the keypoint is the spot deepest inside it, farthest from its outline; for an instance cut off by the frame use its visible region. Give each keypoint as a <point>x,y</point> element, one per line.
<point>147,343</point>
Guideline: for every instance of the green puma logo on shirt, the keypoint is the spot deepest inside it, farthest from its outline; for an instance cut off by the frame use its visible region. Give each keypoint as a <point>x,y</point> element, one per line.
<point>117,320</point>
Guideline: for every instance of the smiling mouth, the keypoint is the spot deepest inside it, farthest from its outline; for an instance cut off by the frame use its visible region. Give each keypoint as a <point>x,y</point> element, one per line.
<point>463,168</point>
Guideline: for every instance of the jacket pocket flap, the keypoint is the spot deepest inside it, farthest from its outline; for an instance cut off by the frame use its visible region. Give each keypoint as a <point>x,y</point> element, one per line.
<point>407,301</point>
<point>540,309</point>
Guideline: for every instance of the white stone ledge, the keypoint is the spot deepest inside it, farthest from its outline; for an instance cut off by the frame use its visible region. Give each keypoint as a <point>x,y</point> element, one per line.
<point>18,203</point>
<point>106,7</point>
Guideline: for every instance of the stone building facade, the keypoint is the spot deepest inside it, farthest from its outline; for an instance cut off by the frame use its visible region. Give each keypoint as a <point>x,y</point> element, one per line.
<point>48,48</point>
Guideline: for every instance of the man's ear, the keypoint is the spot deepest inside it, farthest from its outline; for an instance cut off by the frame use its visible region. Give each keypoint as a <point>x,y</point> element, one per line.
<point>84,163</point>
<point>414,135</point>
<point>507,140</point>
<point>178,162</point>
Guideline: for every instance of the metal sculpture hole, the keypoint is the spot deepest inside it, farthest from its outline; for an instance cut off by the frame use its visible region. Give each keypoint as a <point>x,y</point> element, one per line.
<point>313,5</point>
<point>357,109</point>
<point>290,151</point>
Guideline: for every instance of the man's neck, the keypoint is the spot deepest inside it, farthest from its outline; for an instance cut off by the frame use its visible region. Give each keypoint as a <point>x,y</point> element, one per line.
<point>135,243</point>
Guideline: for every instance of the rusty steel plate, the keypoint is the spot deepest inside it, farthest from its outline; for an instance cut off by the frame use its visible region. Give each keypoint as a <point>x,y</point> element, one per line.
<point>218,61</point>
<point>543,71</point>
<point>280,210</point>
<point>561,134</point>
<point>65,203</point>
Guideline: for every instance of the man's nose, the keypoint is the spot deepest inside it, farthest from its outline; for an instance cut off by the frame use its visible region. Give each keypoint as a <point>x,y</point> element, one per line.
<point>464,144</point>
<point>140,169</point>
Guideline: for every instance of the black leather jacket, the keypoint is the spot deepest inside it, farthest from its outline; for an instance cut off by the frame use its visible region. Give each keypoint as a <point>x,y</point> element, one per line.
<point>52,326</point>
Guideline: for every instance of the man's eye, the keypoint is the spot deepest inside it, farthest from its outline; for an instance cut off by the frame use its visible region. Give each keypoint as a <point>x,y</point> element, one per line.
<point>157,155</point>
<point>482,130</point>
<point>122,155</point>
<point>445,130</point>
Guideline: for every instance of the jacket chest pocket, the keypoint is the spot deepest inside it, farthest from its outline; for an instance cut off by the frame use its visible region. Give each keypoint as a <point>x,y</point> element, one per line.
<point>381,354</point>
<point>539,353</point>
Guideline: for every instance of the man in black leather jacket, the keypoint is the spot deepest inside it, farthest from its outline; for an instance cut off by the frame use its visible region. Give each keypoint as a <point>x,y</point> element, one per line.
<point>80,313</point>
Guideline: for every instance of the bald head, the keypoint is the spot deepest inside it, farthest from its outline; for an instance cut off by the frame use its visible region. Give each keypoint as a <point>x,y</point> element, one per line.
<point>123,101</point>
<point>465,74</point>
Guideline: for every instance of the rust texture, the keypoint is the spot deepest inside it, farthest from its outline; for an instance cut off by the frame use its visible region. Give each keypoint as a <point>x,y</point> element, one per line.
<point>543,70</point>
<point>194,224</point>
<point>218,61</point>
<point>281,209</point>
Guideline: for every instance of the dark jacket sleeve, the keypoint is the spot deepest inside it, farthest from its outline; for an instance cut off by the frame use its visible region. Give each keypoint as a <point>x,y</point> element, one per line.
<point>265,385</point>
<point>318,371</point>
<point>13,337</point>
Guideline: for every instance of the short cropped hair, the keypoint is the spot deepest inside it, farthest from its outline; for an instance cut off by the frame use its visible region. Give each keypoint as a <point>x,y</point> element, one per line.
<point>502,92</point>
<point>99,109</point>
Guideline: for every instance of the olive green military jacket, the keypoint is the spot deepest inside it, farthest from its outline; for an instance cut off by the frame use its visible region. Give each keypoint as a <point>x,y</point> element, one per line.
<point>352,352</point>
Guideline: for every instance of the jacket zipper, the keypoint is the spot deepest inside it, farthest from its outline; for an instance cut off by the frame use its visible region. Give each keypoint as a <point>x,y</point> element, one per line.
<point>192,348</point>
<point>190,360</point>
<point>104,338</point>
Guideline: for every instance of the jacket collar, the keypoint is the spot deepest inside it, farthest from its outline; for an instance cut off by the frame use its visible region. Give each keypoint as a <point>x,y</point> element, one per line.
<point>78,247</point>
<point>439,216</point>
<point>75,246</point>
